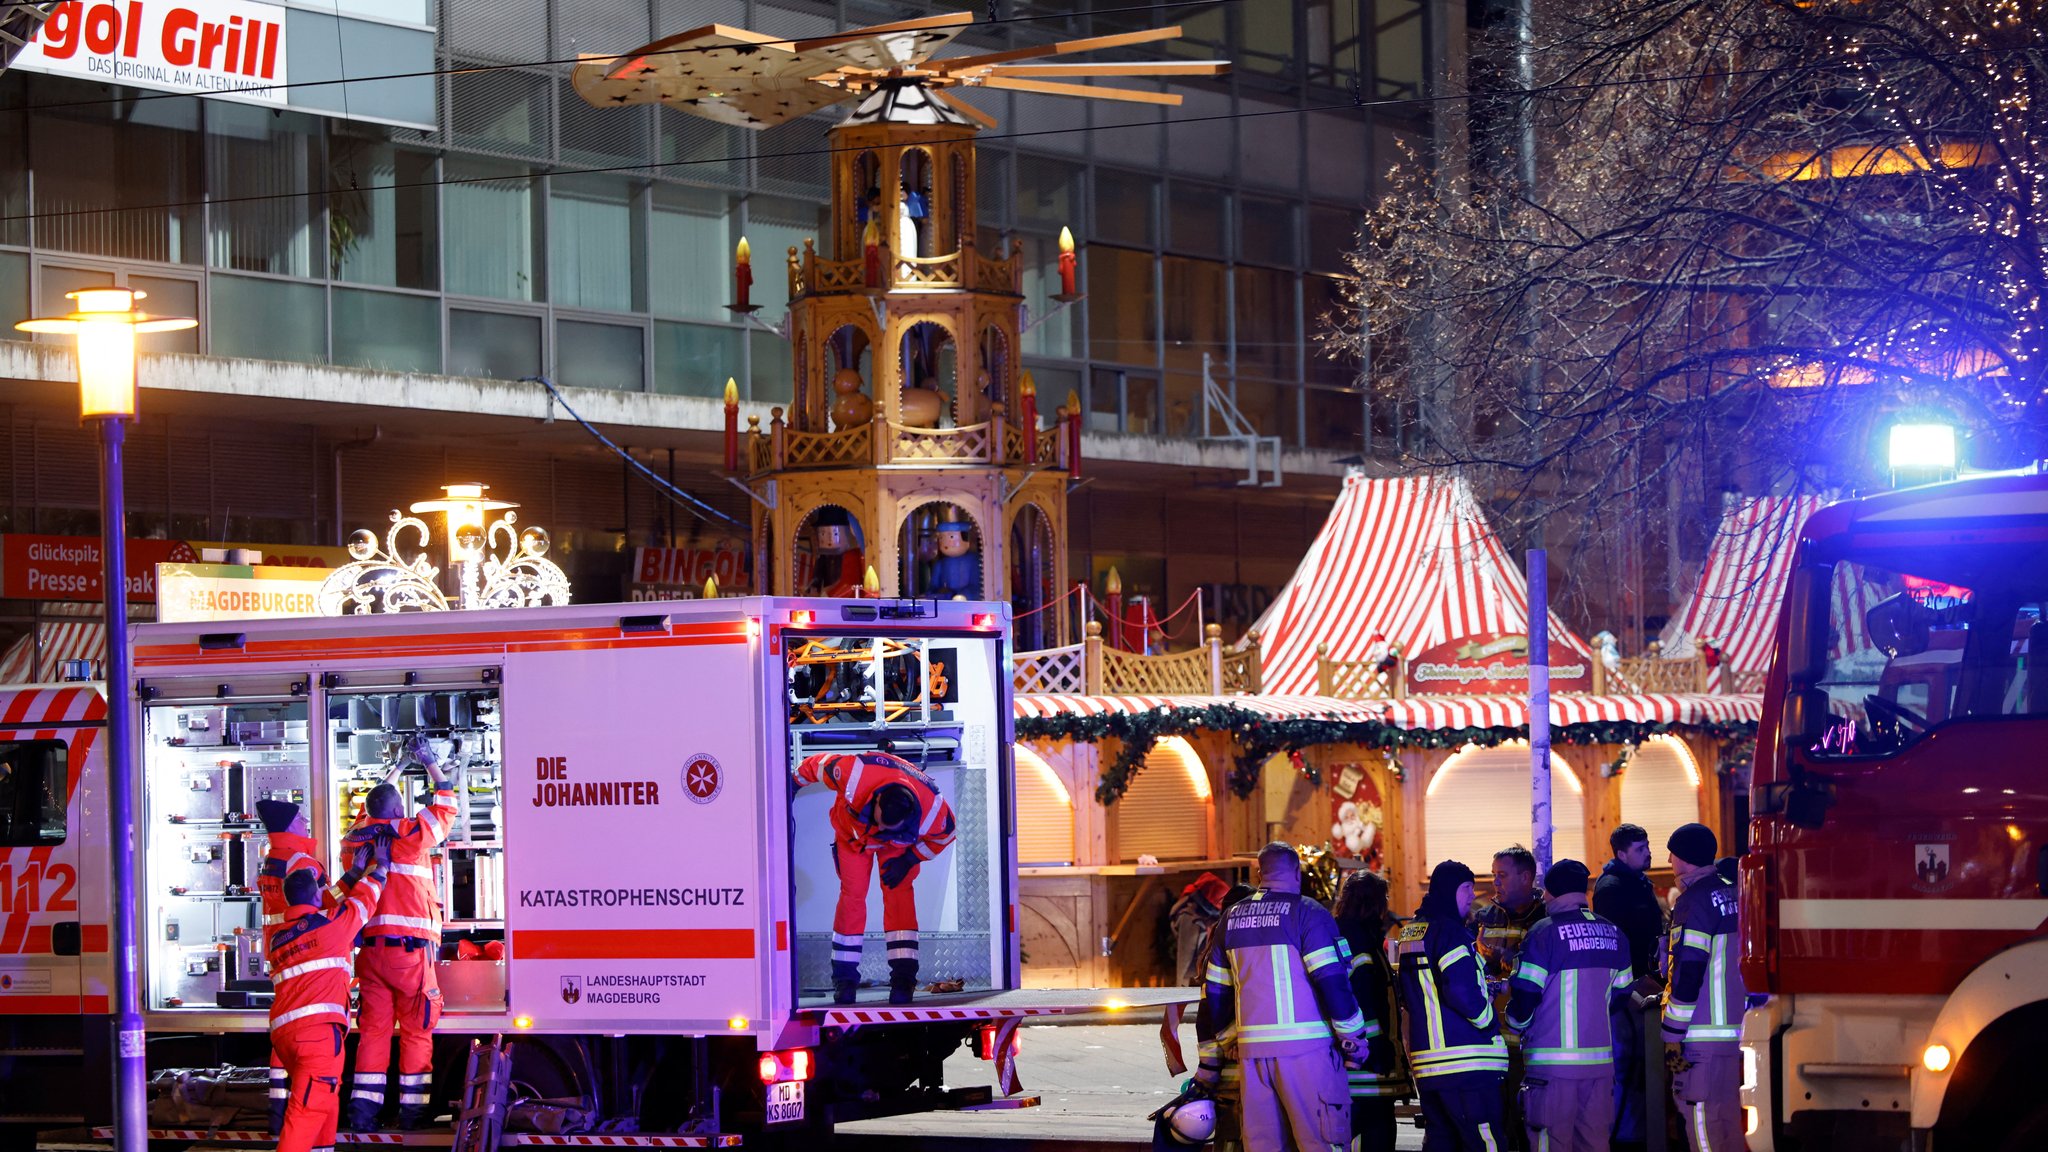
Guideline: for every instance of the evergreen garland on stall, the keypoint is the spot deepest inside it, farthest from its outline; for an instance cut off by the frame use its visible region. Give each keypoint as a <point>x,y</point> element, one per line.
<point>1258,738</point>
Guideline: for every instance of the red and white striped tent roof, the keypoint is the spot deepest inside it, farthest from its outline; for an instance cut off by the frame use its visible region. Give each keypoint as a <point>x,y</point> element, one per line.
<point>1408,561</point>
<point>1735,605</point>
<point>61,640</point>
<point>1416,713</point>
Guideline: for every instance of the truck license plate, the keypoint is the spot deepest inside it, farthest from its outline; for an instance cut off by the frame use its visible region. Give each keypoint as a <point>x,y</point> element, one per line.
<point>786,1102</point>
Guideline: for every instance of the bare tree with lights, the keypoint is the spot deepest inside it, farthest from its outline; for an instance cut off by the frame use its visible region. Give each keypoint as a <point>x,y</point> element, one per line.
<point>1763,230</point>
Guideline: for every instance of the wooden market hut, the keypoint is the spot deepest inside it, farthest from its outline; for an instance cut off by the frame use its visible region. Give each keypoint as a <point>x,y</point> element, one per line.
<point>1137,774</point>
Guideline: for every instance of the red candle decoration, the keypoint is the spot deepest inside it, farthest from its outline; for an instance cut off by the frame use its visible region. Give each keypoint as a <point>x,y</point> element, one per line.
<point>1066,262</point>
<point>871,253</point>
<point>1113,586</point>
<point>1074,435</point>
<point>1027,415</point>
<point>732,424</point>
<point>743,274</point>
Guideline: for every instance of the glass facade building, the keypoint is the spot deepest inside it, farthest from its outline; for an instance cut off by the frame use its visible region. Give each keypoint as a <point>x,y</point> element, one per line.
<point>535,235</point>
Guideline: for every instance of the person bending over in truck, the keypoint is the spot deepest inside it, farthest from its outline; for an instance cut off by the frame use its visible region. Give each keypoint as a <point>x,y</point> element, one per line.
<point>1705,999</point>
<point>288,848</point>
<point>395,970</point>
<point>884,810</point>
<point>309,965</point>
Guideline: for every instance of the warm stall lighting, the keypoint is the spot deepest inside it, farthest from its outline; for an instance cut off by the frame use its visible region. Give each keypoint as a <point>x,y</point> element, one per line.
<point>1198,777</point>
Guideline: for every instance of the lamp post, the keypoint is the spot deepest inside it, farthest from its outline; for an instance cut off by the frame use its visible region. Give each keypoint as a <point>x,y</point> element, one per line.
<point>466,506</point>
<point>104,327</point>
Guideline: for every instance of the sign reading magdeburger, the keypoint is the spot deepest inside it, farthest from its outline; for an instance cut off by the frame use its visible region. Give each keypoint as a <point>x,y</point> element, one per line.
<point>217,47</point>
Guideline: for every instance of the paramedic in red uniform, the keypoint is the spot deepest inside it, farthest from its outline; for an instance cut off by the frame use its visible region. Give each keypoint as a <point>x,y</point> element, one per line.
<point>309,965</point>
<point>395,971</point>
<point>889,811</point>
<point>289,848</point>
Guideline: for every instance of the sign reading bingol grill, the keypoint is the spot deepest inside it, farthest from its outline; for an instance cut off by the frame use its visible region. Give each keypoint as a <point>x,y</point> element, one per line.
<point>268,54</point>
<point>206,46</point>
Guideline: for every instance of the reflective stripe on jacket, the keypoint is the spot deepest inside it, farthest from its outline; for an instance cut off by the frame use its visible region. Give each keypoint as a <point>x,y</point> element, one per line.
<point>855,776</point>
<point>1373,987</point>
<point>1276,980</point>
<point>411,905</point>
<point>1574,965</point>
<point>310,957</point>
<point>1451,1029</point>
<point>1705,997</point>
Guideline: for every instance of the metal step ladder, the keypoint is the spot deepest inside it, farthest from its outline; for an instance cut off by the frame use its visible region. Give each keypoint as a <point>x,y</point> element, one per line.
<point>486,1085</point>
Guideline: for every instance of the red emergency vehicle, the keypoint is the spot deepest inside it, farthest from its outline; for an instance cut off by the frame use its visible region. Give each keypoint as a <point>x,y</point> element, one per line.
<point>636,891</point>
<point>1896,892</point>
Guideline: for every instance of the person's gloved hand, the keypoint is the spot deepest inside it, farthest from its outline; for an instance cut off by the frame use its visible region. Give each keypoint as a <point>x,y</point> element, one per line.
<point>1674,1058</point>
<point>421,751</point>
<point>1354,1053</point>
<point>896,867</point>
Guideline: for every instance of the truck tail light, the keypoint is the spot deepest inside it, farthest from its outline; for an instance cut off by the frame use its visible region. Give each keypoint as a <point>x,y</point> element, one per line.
<point>984,620</point>
<point>792,1064</point>
<point>985,1043</point>
<point>802,618</point>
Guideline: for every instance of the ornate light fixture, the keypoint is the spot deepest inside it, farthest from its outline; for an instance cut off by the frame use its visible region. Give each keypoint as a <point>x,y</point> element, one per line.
<point>491,563</point>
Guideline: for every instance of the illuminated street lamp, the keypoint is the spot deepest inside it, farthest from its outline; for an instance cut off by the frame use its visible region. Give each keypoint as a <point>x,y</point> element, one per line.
<point>104,329</point>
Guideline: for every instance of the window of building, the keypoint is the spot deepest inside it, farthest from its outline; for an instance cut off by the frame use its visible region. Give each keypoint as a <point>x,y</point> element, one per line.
<point>94,148</point>
<point>595,241</point>
<point>1334,48</point>
<point>772,371</point>
<point>693,148</point>
<point>1329,310</point>
<point>493,230</point>
<point>1332,234</point>
<point>501,110</point>
<point>263,168</point>
<point>34,793</point>
<point>690,234</point>
<point>391,331</point>
<point>1048,195</point>
<point>1477,803</point>
<point>1266,38</point>
<point>1197,315</point>
<point>14,297</point>
<point>773,227</point>
<point>1268,408</point>
<point>381,224</point>
<point>1265,232</point>
<point>14,176</point>
<point>266,319</point>
<point>1268,338</point>
<point>1200,219</point>
<point>694,359</point>
<point>1123,310</point>
<point>1126,207</point>
<point>1333,419</point>
<point>1056,331</point>
<point>496,345</point>
<point>589,355</point>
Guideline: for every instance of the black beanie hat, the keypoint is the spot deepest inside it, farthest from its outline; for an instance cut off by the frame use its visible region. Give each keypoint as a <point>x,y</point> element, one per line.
<point>277,815</point>
<point>1694,844</point>
<point>1567,878</point>
<point>1448,875</point>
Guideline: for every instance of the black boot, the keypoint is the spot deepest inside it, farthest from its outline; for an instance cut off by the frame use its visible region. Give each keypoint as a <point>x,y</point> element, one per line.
<point>844,991</point>
<point>413,1117</point>
<point>361,1115</point>
<point>902,981</point>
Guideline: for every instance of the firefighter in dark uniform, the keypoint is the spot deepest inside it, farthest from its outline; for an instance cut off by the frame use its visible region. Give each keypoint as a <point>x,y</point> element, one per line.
<point>1454,1041</point>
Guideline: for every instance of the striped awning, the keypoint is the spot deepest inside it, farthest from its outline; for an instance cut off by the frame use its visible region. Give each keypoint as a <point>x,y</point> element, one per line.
<point>62,640</point>
<point>1271,707</point>
<point>1735,605</point>
<point>1408,561</point>
<point>1566,709</point>
<point>1423,712</point>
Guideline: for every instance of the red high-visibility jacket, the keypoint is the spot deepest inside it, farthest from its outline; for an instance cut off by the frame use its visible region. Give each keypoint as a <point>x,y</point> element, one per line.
<point>286,853</point>
<point>310,963</point>
<point>855,776</point>
<point>411,906</point>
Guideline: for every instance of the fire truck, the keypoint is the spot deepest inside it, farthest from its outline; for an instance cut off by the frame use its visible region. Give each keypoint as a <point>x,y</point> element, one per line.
<point>637,896</point>
<point>1897,887</point>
